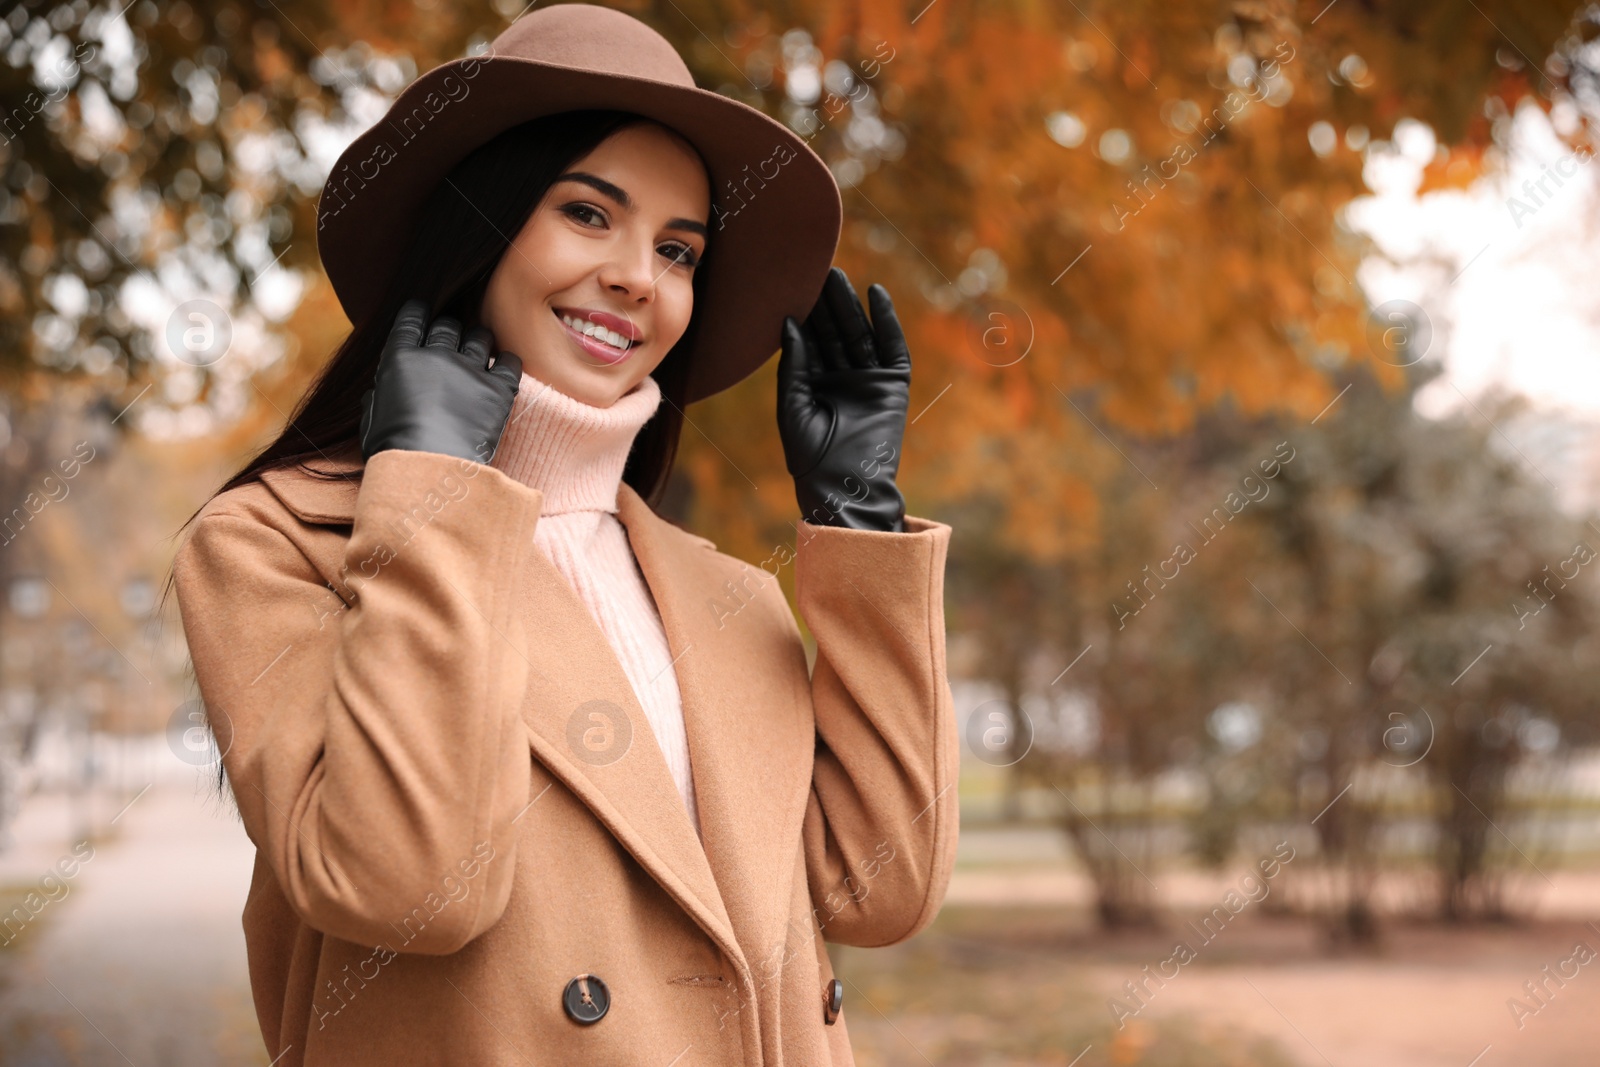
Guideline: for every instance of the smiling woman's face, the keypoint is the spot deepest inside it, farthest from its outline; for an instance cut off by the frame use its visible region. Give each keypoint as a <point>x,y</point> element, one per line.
<point>611,249</point>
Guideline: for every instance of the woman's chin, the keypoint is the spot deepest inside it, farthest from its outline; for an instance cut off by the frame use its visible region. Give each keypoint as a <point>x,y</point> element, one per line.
<point>584,383</point>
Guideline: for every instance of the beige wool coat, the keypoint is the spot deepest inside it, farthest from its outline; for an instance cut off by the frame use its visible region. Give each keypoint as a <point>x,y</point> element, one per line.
<point>462,817</point>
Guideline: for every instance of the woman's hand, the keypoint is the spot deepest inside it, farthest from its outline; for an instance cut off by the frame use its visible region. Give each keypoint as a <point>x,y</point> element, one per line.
<point>438,394</point>
<point>843,390</point>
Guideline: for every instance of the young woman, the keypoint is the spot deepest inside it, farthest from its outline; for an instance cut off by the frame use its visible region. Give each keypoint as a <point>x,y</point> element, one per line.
<point>534,775</point>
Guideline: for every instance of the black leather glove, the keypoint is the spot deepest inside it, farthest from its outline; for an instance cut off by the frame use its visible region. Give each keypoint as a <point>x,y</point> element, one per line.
<point>843,390</point>
<point>438,395</point>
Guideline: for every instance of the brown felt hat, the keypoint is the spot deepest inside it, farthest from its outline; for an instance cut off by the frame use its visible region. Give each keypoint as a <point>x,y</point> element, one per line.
<point>778,212</point>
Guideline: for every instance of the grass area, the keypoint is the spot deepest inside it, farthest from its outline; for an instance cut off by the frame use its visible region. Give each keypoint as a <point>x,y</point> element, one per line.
<point>993,987</point>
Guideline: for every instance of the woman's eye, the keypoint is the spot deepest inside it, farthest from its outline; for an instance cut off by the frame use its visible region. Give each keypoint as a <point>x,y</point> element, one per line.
<point>682,254</point>
<point>577,210</point>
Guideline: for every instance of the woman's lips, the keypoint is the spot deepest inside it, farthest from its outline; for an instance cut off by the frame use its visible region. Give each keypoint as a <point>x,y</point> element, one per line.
<point>598,349</point>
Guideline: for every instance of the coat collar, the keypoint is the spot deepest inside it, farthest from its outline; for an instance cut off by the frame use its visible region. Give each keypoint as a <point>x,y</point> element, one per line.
<point>751,759</point>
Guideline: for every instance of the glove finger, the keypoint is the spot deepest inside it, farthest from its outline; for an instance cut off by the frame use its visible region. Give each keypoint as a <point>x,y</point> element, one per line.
<point>408,324</point>
<point>477,347</point>
<point>796,363</point>
<point>892,348</point>
<point>850,318</point>
<point>829,354</point>
<point>508,368</point>
<point>445,333</point>
<point>805,424</point>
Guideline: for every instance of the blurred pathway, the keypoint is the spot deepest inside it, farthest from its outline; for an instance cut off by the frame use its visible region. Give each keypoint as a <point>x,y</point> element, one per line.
<point>143,961</point>
<point>1389,1012</point>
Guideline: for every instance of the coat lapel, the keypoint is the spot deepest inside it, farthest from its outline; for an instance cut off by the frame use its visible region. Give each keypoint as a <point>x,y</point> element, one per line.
<point>751,738</point>
<point>751,734</point>
<point>575,677</point>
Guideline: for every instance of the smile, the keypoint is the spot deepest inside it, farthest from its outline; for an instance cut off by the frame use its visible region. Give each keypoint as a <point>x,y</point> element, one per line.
<point>603,344</point>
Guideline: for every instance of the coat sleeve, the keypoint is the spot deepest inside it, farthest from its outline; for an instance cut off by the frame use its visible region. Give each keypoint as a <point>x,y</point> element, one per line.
<point>881,823</point>
<point>376,751</point>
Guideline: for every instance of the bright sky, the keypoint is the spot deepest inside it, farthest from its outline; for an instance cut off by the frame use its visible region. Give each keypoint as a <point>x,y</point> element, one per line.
<point>1523,309</point>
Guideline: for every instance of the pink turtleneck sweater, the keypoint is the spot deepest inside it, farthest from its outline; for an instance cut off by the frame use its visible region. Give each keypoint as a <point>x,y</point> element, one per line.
<point>575,453</point>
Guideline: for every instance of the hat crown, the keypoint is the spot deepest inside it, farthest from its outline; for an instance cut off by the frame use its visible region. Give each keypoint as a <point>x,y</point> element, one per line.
<point>593,38</point>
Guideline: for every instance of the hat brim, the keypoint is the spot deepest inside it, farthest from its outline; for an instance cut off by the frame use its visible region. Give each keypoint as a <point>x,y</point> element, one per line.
<point>769,250</point>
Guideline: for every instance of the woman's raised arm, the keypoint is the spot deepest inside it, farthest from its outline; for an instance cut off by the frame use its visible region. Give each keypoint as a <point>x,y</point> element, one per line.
<point>376,751</point>
<point>881,826</point>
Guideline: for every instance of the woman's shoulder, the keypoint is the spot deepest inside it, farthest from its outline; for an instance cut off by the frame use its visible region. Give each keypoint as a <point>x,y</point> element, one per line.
<point>284,510</point>
<point>320,487</point>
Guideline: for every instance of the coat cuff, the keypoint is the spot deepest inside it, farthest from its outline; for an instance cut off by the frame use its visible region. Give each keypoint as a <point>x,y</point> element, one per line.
<point>899,573</point>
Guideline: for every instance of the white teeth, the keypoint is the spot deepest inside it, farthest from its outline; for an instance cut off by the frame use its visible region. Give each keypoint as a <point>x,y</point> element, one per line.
<point>595,330</point>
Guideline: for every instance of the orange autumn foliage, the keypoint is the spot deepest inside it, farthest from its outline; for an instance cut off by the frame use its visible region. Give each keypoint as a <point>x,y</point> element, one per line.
<point>1122,190</point>
<point>1153,287</point>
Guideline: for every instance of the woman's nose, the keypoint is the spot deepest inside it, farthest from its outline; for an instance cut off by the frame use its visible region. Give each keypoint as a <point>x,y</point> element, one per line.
<point>631,271</point>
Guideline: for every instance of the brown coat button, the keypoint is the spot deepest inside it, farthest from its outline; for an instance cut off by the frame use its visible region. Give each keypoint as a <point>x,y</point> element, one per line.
<point>586,999</point>
<point>832,1001</point>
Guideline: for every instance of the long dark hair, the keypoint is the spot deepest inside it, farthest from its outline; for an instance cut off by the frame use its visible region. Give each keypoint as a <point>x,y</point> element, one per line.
<point>461,234</point>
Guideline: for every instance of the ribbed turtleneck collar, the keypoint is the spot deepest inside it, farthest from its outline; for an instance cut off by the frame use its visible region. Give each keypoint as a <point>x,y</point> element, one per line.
<point>571,451</point>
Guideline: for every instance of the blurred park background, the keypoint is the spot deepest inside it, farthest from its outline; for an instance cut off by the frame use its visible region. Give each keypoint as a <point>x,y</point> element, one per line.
<point>1255,371</point>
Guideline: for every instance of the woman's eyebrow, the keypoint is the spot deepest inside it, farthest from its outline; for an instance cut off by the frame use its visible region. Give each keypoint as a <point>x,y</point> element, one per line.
<point>620,195</point>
